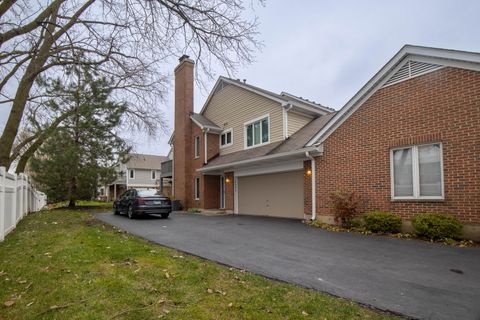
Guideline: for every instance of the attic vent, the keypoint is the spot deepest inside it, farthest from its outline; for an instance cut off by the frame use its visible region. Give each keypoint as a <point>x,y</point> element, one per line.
<point>411,69</point>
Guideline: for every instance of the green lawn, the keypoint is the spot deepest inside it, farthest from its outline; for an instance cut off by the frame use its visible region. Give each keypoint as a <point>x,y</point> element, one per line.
<point>63,264</point>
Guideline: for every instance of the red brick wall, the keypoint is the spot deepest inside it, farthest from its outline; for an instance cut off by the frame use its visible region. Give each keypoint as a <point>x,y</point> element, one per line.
<point>213,145</point>
<point>229,191</point>
<point>442,106</point>
<point>183,131</point>
<point>307,188</point>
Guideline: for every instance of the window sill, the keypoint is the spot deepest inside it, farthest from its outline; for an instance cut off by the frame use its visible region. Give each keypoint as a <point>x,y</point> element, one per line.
<point>418,200</point>
<point>257,145</point>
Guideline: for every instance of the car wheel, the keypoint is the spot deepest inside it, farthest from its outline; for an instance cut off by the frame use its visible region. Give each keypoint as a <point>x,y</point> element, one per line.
<point>115,210</point>
<point>164,215</point>
<point>130,213</point>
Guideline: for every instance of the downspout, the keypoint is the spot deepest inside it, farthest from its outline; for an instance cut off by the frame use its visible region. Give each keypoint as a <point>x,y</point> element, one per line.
<point>314,193</point>
<point>286,109</point>
<point>206,145</point>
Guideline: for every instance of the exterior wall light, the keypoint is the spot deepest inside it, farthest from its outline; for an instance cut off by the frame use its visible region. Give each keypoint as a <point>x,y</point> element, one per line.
<point>309,172</point>
<point>227,180</point>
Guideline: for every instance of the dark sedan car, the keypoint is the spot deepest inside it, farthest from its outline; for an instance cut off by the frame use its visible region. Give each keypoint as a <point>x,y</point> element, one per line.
<point>137,202</point>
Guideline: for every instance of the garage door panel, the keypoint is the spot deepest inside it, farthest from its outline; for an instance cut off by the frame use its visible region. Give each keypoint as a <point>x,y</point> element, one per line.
<point>277,195</point>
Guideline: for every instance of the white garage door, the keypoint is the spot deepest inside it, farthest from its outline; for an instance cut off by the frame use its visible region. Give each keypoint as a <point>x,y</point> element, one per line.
<point>276,195</point>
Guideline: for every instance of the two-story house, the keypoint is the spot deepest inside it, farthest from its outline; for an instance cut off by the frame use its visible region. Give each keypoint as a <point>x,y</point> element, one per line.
<point>140,171</point>
<point>243,151</point>
<point>408,142</point>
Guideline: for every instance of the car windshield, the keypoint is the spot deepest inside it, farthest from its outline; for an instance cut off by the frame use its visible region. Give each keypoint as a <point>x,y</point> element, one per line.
<point>148,193</point>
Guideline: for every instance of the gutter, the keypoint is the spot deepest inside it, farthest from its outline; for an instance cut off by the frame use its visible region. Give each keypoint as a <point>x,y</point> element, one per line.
<point>310,150</point>
<point>314,191</point>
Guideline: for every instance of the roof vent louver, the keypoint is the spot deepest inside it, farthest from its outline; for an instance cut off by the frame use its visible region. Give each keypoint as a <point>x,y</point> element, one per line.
<point>411,69</point>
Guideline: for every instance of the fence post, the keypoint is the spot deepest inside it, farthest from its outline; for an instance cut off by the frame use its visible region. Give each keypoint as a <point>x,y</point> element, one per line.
<point>20,202</point>
<point>3,185</point>
<point>25,195</point>
<point>28,196</point>
<point>14,199</point>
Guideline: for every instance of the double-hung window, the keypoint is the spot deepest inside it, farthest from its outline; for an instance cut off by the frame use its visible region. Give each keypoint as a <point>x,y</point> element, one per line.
<point>226,138</point>
<point>417,172</point>
<point>257,132</point>
<point>197,147</point>
<point>197,188</point>
<point>154,174</point>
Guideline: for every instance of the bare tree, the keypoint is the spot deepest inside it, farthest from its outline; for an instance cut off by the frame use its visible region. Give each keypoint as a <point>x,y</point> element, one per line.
<point>128,41</point>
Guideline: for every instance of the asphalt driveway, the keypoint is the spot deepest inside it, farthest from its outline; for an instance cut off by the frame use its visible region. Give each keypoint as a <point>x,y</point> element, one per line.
<point>416,279</point>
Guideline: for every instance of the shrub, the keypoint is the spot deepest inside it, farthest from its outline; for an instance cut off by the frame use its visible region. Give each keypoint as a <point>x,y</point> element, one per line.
<point>437,226</point>
<point>194,210</point>
<point>345,206</point>
<point>382,222</point>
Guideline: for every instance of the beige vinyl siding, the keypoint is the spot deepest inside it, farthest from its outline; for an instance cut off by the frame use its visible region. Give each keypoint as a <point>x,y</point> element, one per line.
<point>296,122</point>
<point>232,106</point>
<point>143,178</point>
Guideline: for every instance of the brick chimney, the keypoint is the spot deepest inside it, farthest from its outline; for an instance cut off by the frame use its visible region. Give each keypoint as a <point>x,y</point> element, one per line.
<point>183,141</point>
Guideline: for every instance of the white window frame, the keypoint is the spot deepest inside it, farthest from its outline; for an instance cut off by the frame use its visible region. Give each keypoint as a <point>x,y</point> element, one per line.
<point>252,122</point>
<point>196,147</point>
<point>130,171</point>
<point>152,174</point>
<point>416,174</point>
<point>196,182</point>
<point>225,133</point>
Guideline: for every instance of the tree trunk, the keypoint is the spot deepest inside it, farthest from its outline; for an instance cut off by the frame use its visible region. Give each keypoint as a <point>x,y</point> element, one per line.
<point>23,91</point>
<point>72,197</point>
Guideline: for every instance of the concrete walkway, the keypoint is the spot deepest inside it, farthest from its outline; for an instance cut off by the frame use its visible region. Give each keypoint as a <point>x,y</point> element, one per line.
<point>414,278</point>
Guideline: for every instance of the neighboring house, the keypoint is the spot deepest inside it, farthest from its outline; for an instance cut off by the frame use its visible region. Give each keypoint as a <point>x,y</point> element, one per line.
<point>407,142</point>
<point>140,171</point>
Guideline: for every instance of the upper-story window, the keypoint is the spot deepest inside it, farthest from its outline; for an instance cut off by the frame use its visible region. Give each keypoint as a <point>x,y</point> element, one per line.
<point>417,172</point>
<point>154,174</point>
<point>226,138</point>
<point>131,173</point>
<point>257,132</point>
<point>197,146</point>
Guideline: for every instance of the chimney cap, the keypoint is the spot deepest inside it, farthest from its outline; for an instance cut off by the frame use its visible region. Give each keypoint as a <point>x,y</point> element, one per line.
<point>184,57</point>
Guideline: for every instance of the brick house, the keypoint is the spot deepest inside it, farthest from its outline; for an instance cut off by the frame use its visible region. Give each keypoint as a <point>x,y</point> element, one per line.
<point>407,142</point>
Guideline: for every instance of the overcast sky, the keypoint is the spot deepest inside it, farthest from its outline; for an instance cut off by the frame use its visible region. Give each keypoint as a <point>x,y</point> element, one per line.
<point>326,51</point>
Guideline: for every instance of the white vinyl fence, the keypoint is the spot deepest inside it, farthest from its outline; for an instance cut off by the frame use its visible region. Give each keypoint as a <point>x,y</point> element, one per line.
<point>17,199</point>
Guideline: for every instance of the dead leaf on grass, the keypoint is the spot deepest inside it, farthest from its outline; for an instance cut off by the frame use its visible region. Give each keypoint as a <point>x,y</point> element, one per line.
<point>9,303</point>
<point>209,290</point>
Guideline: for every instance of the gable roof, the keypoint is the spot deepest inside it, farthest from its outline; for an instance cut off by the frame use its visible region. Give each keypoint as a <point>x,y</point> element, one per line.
<point>205,123</point>
<point>145,161</point>
<point>432,58</point>
<point>302,105</point>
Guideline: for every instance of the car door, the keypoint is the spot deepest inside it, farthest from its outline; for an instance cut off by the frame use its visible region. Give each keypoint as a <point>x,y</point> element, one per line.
<point>124,201</point>
<point>131,197</point>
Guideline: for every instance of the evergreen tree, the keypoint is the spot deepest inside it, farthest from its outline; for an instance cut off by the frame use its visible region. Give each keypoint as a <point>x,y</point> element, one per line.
<point>83,152</point>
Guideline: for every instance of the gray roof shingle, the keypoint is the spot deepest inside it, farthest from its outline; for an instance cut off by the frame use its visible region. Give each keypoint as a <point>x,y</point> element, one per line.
<point>145,161</point>
<point>295,142</point>
<point>204,121</point>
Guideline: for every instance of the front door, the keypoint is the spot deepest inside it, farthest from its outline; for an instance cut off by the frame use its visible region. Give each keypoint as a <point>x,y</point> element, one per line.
<point>222,192</point>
